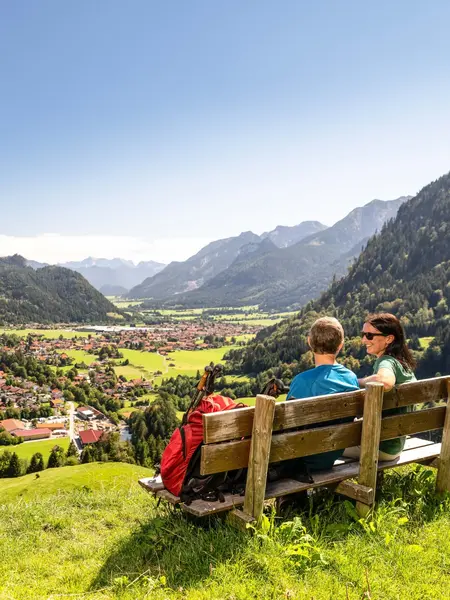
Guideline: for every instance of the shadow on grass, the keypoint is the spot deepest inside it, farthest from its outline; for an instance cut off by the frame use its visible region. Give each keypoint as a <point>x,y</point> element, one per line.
<point>185,550</point>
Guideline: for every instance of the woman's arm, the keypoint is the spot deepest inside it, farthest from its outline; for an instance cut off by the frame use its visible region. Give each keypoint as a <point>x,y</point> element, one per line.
<point>384,376</point>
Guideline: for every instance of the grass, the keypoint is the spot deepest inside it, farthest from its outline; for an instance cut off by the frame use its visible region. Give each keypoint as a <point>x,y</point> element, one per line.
<point>245,337</point>
<point>142,364</point>
<point>51,334</point>
<point>130,409</point>
<point>80,356</point>
<point>425,341</point>
<point>27,449</point>
<point>262,322</point>
<point>125,303</point>
<point>188,362</point>
<point>94,476</point>
<point>91,532</point>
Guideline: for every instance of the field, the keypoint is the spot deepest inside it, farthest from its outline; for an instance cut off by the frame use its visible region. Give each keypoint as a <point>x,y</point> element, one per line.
<point>187,362</point>
<point>249,315</point>
<point>48,333</point>
<point>90,532</point>
<point>27,449</point>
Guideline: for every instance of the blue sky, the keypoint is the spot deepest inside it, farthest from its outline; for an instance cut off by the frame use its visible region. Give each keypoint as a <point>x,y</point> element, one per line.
<point>147,128</point>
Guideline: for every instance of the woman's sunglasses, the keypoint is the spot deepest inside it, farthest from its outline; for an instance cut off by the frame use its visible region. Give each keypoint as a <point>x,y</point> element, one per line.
<point>369,335</point>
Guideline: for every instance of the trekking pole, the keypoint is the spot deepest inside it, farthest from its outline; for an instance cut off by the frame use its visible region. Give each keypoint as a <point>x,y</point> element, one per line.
<point>274,387</point>
<point>205,387</point>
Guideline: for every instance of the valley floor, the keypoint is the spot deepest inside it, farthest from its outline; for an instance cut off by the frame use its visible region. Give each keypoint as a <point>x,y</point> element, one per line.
<point>89,531</point>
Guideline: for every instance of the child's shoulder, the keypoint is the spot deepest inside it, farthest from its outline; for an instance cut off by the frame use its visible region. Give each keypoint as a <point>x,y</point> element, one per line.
<point>346,373</point>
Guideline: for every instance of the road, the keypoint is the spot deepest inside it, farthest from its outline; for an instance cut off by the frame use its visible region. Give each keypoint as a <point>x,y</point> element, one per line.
<point>76,440</point>
<point>166,368</point>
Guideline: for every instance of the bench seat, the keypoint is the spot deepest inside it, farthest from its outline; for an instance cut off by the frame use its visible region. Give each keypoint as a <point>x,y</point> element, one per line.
<point>416,450</point>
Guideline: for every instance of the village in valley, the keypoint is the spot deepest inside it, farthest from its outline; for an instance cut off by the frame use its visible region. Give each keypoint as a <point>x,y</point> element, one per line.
<point>123,366</point>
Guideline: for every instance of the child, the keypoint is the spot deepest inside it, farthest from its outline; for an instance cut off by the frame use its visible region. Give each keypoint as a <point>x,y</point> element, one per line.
<point>326,338</point>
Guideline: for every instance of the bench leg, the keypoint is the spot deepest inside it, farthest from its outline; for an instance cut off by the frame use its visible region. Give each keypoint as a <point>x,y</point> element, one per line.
<point>370,441</point>
<point>258,461</point>
<point>443,474</point>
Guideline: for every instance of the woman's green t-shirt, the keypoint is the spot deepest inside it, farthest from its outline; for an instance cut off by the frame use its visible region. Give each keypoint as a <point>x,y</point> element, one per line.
<point>402,375</point>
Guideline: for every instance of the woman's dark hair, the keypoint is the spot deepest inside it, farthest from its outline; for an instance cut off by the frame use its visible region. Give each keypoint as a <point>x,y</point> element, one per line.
<point>390,325</point>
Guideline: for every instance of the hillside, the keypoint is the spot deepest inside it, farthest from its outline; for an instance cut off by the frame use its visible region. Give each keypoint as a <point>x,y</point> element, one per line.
<point>91,531</point>
<point>405,270</point>
<point>291,276</point>
<point>47,295</point>
<point>179,277</point>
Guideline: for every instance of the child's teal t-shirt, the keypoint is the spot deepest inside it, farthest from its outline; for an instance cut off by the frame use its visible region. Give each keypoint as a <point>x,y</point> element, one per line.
<point>321,381</point>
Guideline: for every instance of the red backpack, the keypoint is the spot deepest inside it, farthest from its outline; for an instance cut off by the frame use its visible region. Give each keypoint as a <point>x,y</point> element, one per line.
<point>179,461</point>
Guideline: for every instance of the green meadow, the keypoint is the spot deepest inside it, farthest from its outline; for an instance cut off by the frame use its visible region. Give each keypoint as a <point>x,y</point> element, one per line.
<point>90,531</point>
<point>425,341</point>
<point>27,449</point>
<point>50,334</point>
<point>187,362</point>
<point>80,356</point>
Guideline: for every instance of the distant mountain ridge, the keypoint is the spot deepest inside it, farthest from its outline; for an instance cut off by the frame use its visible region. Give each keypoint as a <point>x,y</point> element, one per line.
<point>114,275</point>
<point>283,236</point>
<point>49,294</point>
<point>290,276</point>
<point>180,277</point>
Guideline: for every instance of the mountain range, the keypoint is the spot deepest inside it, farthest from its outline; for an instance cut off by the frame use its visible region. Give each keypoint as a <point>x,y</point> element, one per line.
<point>404,270</point>
<point>283,268</point>
<point>112,277</point>
<point>50,294</point>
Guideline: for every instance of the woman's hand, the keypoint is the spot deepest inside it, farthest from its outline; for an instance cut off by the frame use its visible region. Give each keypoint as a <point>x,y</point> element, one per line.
<point>384,376</point>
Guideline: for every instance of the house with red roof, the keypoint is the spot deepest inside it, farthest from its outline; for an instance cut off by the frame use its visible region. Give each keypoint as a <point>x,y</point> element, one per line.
<point>32,434</point>
<point>11,425</point>
<point>90,436</point>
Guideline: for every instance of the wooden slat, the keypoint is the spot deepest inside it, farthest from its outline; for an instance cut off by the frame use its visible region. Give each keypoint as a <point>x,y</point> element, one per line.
<point>411,423</point>
<point>201,508</point>
<point>417,392</point>
<point>370,441</point>
<point>236,424</point>
<point>239,519</point>
<point>151,485</point>
<point>166,495</point>
<point>234,455</point>
<point>356,491</point>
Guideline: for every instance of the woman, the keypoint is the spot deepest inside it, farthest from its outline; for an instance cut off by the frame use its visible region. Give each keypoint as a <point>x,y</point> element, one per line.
<point>384,337</point>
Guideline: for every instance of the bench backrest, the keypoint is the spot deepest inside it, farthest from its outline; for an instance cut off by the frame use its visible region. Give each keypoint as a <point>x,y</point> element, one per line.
<point>227,435</point>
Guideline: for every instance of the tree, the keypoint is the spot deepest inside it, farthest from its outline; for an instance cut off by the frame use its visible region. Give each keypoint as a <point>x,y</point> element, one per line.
<point>68,396</point>
<point>36,463</point>
<point>5,459</point>
<point>15,469</point>
<point>86,455</point>
<point>56,458</point>
<point>72,450</point>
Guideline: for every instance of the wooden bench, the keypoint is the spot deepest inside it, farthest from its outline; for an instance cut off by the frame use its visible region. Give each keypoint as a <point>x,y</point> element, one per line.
<point>269,432</point>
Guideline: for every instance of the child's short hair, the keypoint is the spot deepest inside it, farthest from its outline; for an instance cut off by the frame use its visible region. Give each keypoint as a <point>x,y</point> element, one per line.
<point>326,335</point>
